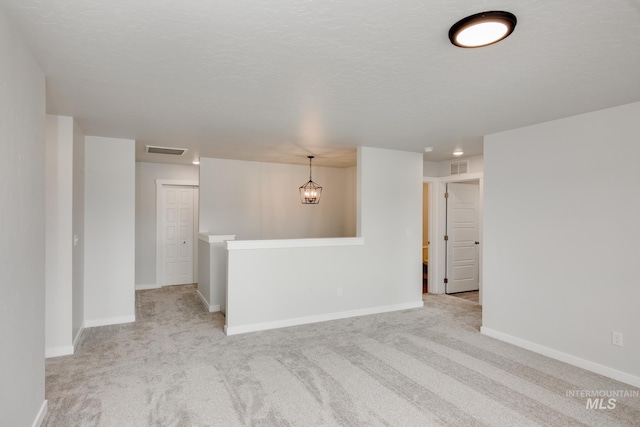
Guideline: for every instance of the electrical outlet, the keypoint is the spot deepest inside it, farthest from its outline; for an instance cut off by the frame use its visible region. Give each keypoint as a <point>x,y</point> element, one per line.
<point>339,292</point>
<point>616,338</point>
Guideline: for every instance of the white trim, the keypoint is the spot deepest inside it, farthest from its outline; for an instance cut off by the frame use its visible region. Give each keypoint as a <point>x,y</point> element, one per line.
<point>461,178</point>
<point>109,321</point>
<point>147,287</point>
<point>215,238</point>
<point>439,217</point>
<point>76,340</point>
<point>563,357</point>
<point>64,350</point>
<point>293,243</point>
<point>159,184</point>
<point>210,308</point>
<point>320,318</point>
<point>41,414</point>
<point>481,240</point>
<point>205,303</point>
<point>435,285</point>
<point>196,229</point>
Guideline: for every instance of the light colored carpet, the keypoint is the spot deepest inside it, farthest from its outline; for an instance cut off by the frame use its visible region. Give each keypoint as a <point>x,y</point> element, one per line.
<point>422,367</point>
<point>470,296</point>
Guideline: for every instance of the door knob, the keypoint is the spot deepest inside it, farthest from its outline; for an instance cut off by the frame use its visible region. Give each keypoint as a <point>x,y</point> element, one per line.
<point>477,243</point>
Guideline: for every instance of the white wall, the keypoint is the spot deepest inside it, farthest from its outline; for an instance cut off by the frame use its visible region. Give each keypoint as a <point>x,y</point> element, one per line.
<point>255,200</point>
<point>212,271</point>
<point>78,233</point>
<point>351,199</point>
<point>284,286</point>
<point>109,290</point>
<point>22,231</point>
<point>205,263</point>
<point>59,230</point>
<point>431,169</point>
<point>64,221</point>
<point>146,175</point>
<point>561,235</point>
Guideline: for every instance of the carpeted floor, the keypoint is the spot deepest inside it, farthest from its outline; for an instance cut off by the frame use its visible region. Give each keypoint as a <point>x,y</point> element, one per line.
<point>422,367</point>
<point>470,295</point>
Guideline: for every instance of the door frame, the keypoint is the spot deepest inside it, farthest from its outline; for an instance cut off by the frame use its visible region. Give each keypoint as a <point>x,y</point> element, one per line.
<point>437,219</point>
<point>160,183</point>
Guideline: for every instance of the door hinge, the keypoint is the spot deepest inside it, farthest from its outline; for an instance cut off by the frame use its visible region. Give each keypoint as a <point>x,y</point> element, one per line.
<point>446,238</point>
<point>446,195</point>
<point>446,280</point>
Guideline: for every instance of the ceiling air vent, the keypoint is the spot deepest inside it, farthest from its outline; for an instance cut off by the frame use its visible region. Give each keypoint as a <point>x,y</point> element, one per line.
<point>458,167</point>
<point>166,150</point>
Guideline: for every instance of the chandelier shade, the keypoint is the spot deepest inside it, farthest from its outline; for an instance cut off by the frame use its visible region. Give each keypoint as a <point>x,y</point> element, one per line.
<point>310,192</point>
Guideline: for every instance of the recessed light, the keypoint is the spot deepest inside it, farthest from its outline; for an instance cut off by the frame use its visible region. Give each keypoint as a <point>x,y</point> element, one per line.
<point>482,29</point>
<point>428,149</point>
<point>458,153</point>
<point>196,162</point>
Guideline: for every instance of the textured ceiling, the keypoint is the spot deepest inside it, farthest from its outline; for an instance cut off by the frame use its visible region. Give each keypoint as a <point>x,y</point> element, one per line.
<point>277,80</point>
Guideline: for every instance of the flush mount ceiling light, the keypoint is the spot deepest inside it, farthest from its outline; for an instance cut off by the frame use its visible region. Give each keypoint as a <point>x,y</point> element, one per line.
<point>482,29</point>
<point>310,192</point>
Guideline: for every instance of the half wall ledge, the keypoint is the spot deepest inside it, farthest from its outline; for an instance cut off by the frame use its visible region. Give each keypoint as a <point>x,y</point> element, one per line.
<point>294,243</point>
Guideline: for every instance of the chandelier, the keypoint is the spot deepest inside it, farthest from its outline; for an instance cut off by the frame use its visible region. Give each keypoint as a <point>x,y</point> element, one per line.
<point>310,192</point>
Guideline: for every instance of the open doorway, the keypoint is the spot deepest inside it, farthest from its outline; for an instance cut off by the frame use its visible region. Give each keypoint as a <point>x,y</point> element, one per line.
<point>425,238</point>
<point>436,226</point>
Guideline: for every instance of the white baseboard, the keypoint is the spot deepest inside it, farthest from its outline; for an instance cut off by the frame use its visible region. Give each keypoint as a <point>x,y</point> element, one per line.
<point>41,414</point>
<point>77,337</point>
<point>64,350</point>
<point>210,308</point>
<point>205,303</point>
<point>564,357</point>
<point>109,321</point>
<point>146,287</point>
<point>319,318</point>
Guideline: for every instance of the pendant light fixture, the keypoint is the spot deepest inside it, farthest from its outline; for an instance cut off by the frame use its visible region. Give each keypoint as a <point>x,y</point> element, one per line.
<point>482,29</point>
<point>310,192</point>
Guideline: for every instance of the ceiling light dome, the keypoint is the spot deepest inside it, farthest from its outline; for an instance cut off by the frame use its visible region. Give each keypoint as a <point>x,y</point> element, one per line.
<point>482,29</point>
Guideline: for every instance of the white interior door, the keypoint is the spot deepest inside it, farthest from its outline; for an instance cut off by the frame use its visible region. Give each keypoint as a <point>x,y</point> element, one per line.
<point>462,232</point>
<point>177,234</point>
